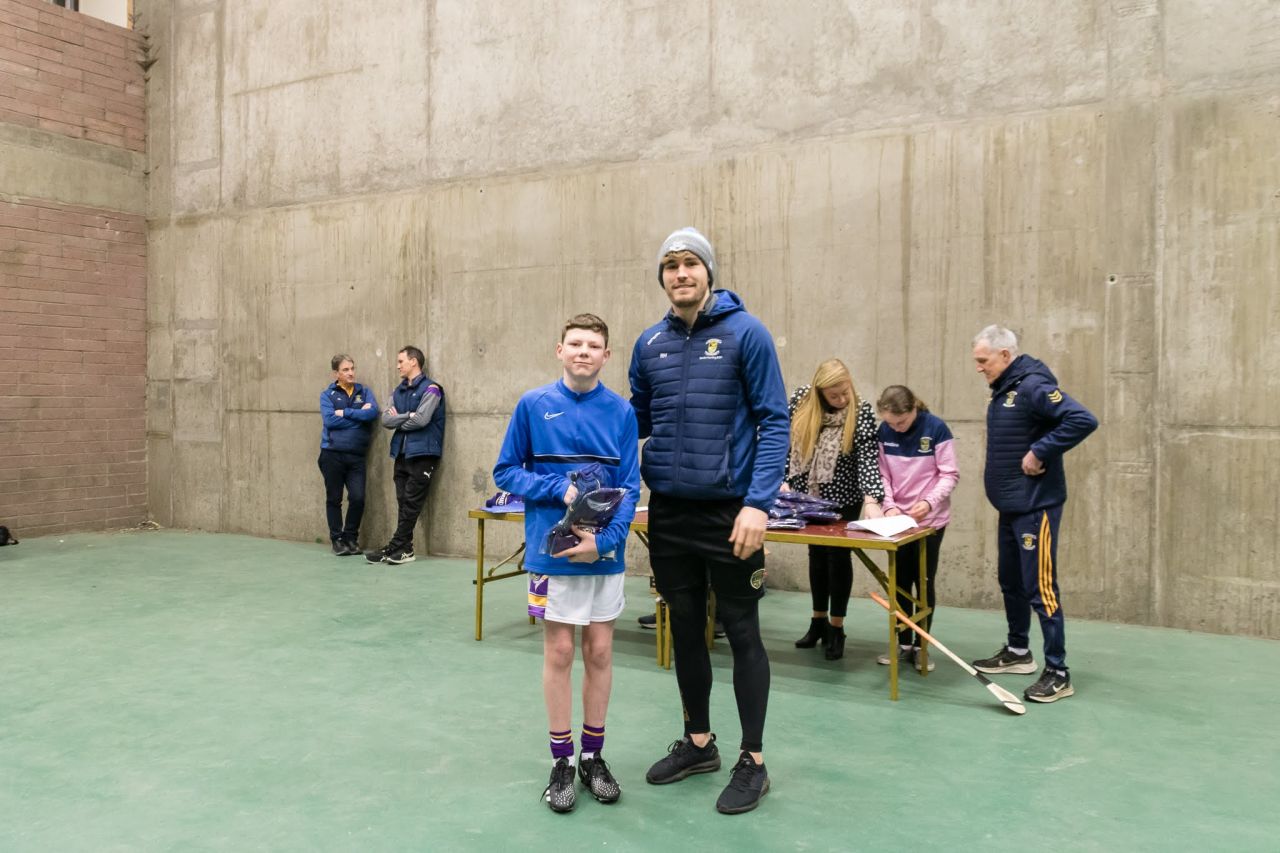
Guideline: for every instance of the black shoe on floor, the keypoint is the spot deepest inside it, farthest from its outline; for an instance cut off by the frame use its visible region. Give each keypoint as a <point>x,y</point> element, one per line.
<point>339,547</point>
<point>595,775</point>
<point>817,633</point>
<point>378,556</point>
<point>560,795</point>
<point>717,630</point>
<point>684,760</point>
<point>403,555</point>
<point>649,620</point>
<point>1006,661</point>
<point>748,783</point>
<point>1049,687</point>
<point>834,649</point>
<point>349,548</point>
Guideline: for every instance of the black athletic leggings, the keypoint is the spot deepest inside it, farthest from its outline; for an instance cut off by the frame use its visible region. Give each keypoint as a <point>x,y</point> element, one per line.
<point>741,620</point>
<point>909,581</point>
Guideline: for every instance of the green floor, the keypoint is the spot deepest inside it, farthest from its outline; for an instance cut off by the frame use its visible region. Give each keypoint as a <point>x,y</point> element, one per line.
<point>174,691</point>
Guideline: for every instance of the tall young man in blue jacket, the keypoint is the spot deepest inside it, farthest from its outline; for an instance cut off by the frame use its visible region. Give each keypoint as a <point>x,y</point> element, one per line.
<point>1031,423</point>
<point>708,394</point>
<point>416,420</point>
<point>555,430</point>
<point>347,412</point>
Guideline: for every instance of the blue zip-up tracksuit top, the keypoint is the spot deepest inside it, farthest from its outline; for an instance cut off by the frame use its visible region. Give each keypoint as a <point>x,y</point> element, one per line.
<point>711,401</point>
<point>553,431</point>
<point>352,432</point>
<point>428,441</point>
<point>1028,411</point>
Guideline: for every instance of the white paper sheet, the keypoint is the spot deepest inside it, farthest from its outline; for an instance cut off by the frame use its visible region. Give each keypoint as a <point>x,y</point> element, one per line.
<point>888,527</point>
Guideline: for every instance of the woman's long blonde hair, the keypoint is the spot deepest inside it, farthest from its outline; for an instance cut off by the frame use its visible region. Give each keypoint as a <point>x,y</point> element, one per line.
<point>806,423</point>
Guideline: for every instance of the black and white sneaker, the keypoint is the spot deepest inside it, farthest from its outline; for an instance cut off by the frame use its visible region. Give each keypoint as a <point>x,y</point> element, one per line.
<point>401,556</point>
<point>378,556</point>
<point>350,549</point>
<point>560,795</point>
<point>684,760</point>
<point>1049,687</point>
<point>1006,661</point>
<point>594,773</point>
<point>339,548</point>
<point>747,784</point>
<point>649,620</point>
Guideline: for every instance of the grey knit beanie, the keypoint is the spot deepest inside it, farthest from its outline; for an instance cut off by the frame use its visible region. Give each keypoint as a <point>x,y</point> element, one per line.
<point>689,240</point>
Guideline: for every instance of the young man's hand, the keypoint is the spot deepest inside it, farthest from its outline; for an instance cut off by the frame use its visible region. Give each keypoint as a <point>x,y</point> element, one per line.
<point>748,531</point>
<point>585,551</point>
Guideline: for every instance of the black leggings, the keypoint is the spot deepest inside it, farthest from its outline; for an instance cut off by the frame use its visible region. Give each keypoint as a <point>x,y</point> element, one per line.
<point>741,620</point>
<point>909,581</point>
<point>830,579</point>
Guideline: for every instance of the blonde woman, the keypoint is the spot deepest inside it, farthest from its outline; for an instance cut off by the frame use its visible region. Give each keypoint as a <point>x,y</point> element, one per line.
<point>833,456</point>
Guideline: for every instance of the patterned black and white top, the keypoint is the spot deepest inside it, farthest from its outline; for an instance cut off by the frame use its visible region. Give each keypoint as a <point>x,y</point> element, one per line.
<point>857,474</point>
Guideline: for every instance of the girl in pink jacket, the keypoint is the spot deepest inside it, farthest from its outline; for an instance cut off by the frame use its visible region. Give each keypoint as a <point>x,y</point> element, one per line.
<point>918,466</point>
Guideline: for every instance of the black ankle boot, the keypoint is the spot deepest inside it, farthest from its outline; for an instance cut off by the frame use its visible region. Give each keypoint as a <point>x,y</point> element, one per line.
<point>818,631</point>
<point>835,647</point>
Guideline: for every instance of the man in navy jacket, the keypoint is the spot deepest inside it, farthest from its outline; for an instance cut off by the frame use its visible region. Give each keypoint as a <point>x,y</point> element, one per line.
<point>347,412</point>
<point>416,420</point>
<point>708,395</point>
<point>1031,423</point>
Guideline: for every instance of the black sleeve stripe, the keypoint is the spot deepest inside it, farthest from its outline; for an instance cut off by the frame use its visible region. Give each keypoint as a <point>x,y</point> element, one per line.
<point>578,457</point>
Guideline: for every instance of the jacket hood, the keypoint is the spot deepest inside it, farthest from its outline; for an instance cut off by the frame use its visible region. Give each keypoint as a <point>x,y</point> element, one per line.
<point>725,302</point>
<point>1022,367</point>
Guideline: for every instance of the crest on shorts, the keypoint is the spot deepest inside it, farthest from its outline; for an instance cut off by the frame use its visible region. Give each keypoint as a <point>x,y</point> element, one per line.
<point>1055,396</point>
<point>926,444</point>
<point>757,579</point>
<point>1028,541</point>
<point>1008,399</point>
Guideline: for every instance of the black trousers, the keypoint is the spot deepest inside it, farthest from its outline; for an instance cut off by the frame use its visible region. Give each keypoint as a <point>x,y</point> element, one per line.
<point>413,481</point>
<point>909,581</point>
<point>831,573</point>
<point>343,470</point>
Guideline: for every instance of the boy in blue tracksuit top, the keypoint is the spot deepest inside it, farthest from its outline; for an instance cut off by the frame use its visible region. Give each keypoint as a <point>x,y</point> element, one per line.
<point>347,412</point>
<point>1031,423</point>
<point>708,394</point>
<point>555,430</point>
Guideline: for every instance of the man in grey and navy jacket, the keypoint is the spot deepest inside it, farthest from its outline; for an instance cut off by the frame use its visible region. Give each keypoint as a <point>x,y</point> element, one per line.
<point>708,394</point>
<point>347,412</point>
<point>1031,423</point>
<point>416,420</point>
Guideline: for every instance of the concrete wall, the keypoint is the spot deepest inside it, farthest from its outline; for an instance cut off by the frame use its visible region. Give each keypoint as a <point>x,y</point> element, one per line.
<point>72,272</point>
<point>881,179</point>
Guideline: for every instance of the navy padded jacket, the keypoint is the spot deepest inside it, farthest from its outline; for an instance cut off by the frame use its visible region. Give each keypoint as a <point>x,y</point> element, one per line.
<point>428,441</point>
<point>1028,411</point>
<point>711,402</point>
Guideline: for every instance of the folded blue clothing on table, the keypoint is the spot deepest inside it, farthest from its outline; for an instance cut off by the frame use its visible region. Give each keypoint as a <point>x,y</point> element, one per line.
<point>785,524</point>
<point>797,508</point>
<point>505,502</point>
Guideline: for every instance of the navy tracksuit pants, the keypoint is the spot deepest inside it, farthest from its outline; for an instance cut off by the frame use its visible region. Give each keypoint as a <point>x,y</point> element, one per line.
<point>1028,573</point>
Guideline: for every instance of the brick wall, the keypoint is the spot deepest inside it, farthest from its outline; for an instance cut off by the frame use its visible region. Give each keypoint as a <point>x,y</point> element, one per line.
<point>71,74</point>
<point>72,288</point>
<point>73,350</point>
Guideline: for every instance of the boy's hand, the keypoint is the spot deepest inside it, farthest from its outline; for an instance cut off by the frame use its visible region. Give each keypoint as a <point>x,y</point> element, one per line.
<point>585,551</point>
<point>570,495</point>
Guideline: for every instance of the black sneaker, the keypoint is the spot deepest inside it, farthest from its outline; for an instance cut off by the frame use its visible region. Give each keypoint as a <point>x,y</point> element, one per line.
<point>1049,687</point>
<point>748,783</point>
<point>684,760</point>
<point>351,550</point>
<point>403,555</point>
<point>339,548</point>
<point>594,773</point>
<point>560,794</point>
<point>378,556</point>
<point>649,620</point>
<point>1006,661</point>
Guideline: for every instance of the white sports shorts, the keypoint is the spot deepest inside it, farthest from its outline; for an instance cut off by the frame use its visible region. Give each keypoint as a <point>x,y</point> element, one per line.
<point>582,599</point>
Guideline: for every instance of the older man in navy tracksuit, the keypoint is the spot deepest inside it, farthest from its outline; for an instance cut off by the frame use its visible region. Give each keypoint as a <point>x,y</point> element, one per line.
<point>708,394</point>
<point>347,412</point>
<point>1031,423</point>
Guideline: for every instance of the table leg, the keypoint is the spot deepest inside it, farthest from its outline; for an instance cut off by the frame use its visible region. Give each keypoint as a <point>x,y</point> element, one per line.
<point>893,626</point>
<point>923,592</point>
<point>479,579</point>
